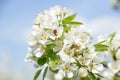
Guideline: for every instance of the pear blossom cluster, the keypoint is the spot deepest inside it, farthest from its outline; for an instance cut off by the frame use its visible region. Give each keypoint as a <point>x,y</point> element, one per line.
<point>111,57</point>
<point>61,45</point>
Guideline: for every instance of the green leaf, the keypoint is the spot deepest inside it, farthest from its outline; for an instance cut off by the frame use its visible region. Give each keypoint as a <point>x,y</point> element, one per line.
<point>101,47</point>
<point>54,71</point>
<point>80,65</point>
<point>99,75</point>
<point>91,75</point>
<point>116,78</point>
<point>37,74</point>
<point>52,55</point>
<point>44,74</point>
<point>75,23</point>
<point>112,37</point>
<point>50,46</point>
<point>85,78</point>
<point>104,64</point>
<point>88,34</point>
<point>69,19</point>
<point>42,60</point>
<point>65,78</point>
<point>102,42</point>
<point>113,51</point>
<point>67,29</point>
<point>82,51</point>
<point>38,24</point>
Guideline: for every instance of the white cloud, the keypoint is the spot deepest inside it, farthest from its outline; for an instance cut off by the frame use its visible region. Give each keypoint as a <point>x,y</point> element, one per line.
<point>104,25</point>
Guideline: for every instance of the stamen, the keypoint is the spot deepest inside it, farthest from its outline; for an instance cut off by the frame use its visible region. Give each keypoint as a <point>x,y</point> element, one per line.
<point>55,31</point>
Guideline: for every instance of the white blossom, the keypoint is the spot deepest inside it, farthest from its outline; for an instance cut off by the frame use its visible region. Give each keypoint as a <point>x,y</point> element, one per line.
<point>59,43</point>
<point>83,72</point>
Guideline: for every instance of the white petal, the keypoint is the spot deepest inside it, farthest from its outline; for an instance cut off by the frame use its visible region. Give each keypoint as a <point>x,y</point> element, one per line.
<point>36,27</point>
<point>35,33</point>
<point>39,52</point>
<point>59,75</point>
<point>118,54</point>
<point>99,67</point>
<point>108,74</point>
<point>114,66</point>
<point>70,74</point>
<point>83,72</point>
<point>50,34</point>
<point>32,43</point>
<point>28,57</point>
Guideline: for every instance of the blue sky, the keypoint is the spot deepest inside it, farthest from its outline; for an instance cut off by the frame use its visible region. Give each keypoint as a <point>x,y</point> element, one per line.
<point>17,17</point>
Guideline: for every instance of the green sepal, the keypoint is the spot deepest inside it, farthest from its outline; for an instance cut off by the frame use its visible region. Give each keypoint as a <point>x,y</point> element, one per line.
<point>54,71</point>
